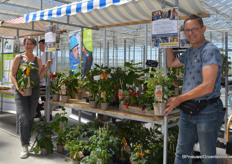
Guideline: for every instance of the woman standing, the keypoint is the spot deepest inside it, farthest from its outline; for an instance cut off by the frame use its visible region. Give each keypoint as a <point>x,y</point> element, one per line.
<point>26,105</point>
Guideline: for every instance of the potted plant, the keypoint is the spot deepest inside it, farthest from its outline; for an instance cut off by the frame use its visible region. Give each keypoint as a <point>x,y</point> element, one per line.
<point>160,87</point>
<point>76,149</point>
<point>25,81</point>
<point>91,86</point>
<point>43,139</point>
<point>58,126</point>
<point>102,144</point>
<point>65,84</point>
<point>54,85</point>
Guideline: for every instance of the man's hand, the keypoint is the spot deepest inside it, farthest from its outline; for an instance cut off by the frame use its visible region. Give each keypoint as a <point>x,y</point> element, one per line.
<point>172,103</point>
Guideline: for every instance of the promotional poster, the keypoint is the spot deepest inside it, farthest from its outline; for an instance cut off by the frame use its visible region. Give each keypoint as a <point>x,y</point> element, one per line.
<point>165,28</point>
<point>77,60</point>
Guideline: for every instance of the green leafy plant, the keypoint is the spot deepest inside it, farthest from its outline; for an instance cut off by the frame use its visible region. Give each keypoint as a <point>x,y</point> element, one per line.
<point>102,145</point>
<point>23,74</point>
<point>43,138</point>
<point>76,148</point>
<point>156,78</point>
<point>58,126</point>
<point>91,85</point>
<point>54,82</point>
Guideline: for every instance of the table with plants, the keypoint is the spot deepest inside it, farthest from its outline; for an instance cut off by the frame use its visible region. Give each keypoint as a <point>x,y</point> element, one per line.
<point>133,93</point>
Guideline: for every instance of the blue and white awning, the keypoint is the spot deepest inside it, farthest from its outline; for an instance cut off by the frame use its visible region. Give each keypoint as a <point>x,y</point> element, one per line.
<point>71,9</point>
<point>107,13</point>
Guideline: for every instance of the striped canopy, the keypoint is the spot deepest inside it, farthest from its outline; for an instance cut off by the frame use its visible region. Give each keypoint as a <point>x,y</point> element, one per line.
<point>107,13</point>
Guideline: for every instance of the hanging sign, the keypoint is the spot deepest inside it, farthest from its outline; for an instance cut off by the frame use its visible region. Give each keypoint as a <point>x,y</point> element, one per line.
<point>50,38</point>
<point>8,46</point>
<point>165,28</point>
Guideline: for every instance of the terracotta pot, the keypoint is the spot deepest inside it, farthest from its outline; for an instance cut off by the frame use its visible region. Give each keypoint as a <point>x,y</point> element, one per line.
<point>76,162</point>
<point>43,151</point>
<point>159,108</point>
<point>104,106</point>
<point>93,104</point>
<point>27,91</point>
<point>60,148</point>
<point>55,97</point>
<point>65,99</point>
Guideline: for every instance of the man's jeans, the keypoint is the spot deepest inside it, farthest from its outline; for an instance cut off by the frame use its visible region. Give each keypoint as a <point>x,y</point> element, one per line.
<point>205,127</point>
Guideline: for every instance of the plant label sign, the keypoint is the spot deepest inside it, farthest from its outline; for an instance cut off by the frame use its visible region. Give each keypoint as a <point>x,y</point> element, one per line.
<point>99,161</point>
<point>63,90</point>
<point>158,93</point>
<point>120,94</point>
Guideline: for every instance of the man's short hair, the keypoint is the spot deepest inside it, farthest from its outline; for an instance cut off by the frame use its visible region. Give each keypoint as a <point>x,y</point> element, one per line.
<point>42,41</point>
<point>195,17</point>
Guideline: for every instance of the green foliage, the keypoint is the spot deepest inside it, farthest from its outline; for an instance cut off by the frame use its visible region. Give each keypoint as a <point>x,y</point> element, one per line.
<point>76,148</point>
<point>103,144</point>
<point>43,138</point>
<point>54,82</point>
<point>224,59</point>
<point>163,80</point>
<point>23,74</point>
<point>58,126</point>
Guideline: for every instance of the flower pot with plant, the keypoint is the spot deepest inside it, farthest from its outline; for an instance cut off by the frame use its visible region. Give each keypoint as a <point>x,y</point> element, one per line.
<point>25,81</point>
<point>102,144</point>
<point>54,85</point>
<point>65,84</point>
<point>58,126</point>
<point>106,90</point>
<point>160,87</point>
<point>43,137</point>
<point>76,148</point>
<point>91,86</point>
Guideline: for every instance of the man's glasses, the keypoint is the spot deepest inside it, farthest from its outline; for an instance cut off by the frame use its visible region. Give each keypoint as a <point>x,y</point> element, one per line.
<point>194,30</point>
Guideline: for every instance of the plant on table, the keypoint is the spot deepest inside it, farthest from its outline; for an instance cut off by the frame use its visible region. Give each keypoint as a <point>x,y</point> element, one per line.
<point>90,84</point>
<point>54,82</point>
<point>155,80</point>
<point>23,74</point>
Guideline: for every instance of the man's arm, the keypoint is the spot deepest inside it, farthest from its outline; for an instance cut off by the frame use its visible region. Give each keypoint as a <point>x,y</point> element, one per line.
<point>209,74</point>
<point>172,61</point>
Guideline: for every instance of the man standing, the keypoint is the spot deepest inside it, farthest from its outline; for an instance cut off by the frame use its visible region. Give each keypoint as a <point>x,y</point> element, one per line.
<point>44,58</point>
<point>202,117</point>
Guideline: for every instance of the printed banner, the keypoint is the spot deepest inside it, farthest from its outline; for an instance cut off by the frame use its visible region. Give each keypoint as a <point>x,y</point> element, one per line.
<point>165,28</point>
<point>8,45</point>
<point>86,59</point>
<point>50,38</point>
<point>184,43</point>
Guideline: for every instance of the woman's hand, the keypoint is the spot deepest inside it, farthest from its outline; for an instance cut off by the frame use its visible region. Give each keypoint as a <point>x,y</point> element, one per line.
<point>21,91</point>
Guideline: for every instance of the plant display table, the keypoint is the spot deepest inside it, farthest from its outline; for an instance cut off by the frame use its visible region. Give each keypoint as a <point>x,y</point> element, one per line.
<point>9,92</point>
<point>164,121</point>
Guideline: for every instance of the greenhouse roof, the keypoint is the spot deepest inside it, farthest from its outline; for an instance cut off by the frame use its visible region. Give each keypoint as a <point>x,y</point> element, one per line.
<point>219,22</point>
